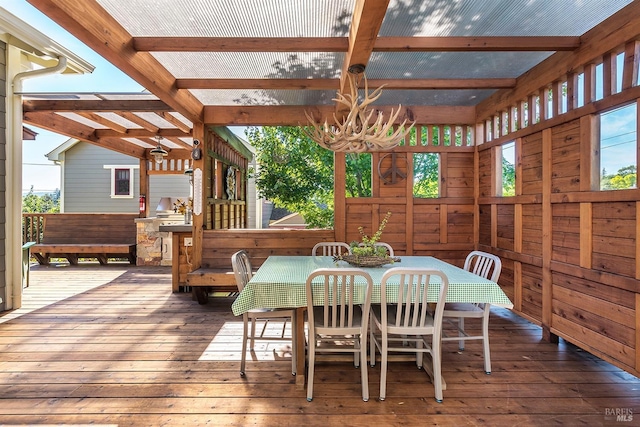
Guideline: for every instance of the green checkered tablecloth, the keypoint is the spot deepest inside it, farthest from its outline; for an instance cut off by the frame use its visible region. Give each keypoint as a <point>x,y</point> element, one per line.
<point>280,282</point>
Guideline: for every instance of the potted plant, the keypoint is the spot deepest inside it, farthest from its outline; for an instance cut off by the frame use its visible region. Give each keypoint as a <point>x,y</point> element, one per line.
<point>366,253</point>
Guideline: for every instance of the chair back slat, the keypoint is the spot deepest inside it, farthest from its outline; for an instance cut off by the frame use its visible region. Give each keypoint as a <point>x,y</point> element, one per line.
<point>330,249</point>
<point>411,310</point>
<point>242,269</point>
<point>484,264</point>
<point>341,293</point>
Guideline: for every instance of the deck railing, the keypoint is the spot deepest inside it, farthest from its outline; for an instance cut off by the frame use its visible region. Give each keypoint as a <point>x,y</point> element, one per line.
<point>33,227</point>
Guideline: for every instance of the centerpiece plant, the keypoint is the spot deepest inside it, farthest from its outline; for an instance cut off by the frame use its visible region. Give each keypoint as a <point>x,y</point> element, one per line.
<point>368,246</point>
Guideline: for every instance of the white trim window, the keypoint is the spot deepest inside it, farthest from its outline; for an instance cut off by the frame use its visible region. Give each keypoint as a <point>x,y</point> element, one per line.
<point>122,180</point>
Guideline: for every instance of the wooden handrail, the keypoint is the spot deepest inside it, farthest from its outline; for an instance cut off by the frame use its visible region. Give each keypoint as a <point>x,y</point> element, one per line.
<point>33,227</point>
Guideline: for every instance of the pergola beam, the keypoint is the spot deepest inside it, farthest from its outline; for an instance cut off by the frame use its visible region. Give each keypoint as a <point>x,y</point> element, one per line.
<point>334,84</point>
<point>289,115</point>
<point>89,22</point>
<point>103,105</point>
<point>341,44</point>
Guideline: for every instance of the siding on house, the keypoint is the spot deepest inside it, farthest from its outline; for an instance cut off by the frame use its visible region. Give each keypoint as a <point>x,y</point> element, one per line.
<point>87,184</point>
<point>3,169</point>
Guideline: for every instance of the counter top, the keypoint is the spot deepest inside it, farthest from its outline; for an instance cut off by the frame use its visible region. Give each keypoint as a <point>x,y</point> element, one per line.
<point>177,228</point>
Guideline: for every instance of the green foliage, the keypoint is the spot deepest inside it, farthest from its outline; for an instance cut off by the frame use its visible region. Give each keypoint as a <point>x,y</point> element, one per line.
<point>625,178</point>
<point>294,173</point>
<point>508,178</point>
<point>47,203</point>
<point>368,245</point>
<point>425,175</point>
<point>358,175</point>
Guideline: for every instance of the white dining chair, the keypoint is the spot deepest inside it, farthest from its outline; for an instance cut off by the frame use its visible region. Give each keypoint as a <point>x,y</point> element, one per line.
<point>339,323</point>
<point>331,249</point>
<point>243,272</point>
<point>387,246</point>
<point>408,325</point>
<point>488,266</point>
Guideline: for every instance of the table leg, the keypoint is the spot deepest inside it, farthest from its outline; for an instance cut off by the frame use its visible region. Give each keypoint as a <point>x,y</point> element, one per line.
<point>300,348</point>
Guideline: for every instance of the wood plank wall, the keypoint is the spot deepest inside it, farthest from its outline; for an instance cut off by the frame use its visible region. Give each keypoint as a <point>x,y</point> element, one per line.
<point>570,252</point>
<point>443,226</point>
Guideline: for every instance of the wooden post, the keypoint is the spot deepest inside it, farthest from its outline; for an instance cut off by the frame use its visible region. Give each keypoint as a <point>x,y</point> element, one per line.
<point>200,180</point>
<point>547,242</point>
<point>144,186</point>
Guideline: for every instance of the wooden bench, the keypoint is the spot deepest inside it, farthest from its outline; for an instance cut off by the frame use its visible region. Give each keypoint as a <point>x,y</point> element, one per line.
<point>216,273</point>
<point>74,236</point>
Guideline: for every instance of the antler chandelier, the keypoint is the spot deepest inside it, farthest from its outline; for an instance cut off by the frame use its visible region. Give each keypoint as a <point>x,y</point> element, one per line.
<point>356,133</point>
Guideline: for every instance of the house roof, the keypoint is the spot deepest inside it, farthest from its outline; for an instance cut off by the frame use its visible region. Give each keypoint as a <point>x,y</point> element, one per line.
<point>39,48</point>
<point>267,62</point>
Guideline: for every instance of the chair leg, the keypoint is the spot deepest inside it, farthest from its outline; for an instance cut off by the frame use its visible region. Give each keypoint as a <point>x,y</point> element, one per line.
<point>294,346</point>
<point>363,367</point>
<point>253,333</point>
<point>372,345</point>
<point>485,344</point>
<point>461,333</point>
<point>437,368</point>
<point>312,362</point>
<point>383,368</point>
<point>245,327</point>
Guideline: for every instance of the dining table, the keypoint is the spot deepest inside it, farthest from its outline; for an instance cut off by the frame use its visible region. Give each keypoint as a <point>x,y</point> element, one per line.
<point>280,282</point>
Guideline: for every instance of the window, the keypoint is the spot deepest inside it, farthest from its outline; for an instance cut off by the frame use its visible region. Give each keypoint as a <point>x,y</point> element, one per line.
<point>426,175</point>
<point>618,165</point>
<point>122,180</point>
<point>508,181</point>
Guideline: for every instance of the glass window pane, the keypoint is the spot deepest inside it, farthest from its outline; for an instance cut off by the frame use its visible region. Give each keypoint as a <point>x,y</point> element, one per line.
<point>122,182</point>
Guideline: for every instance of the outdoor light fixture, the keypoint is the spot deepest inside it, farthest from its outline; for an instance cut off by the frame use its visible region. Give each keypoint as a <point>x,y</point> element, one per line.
<point>355,133</point>
<point>159,153</point>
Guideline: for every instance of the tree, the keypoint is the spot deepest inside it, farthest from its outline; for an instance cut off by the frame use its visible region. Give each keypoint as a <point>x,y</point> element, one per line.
<point>626,177</point>
<point>46,203</point>
<point>425,175</point>
<point>294,173</point>
<point>508,178</point>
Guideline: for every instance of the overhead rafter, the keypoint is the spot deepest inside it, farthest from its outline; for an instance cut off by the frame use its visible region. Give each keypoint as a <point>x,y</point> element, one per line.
<point>334,84</point>
<point>88,21</point>
<point>341,44</point>
<point>115,106</point>
<point>64,126</point>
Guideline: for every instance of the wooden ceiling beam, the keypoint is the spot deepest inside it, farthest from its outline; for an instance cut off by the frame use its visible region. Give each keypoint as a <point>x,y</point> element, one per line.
<point>113,106</point>
<point>64,126</point>
<point>89,22</point>
<point>141,133</point>
<point>240,44</point>
<point>476,44</point>
<point>53,122</point>
<point>292,115</point>
<point>365,25</point>
<point>334,84</point>
<point>341,44</point>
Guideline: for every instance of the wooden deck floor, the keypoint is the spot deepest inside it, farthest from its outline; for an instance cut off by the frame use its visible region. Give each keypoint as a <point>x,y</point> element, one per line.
<point>111,345</point>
